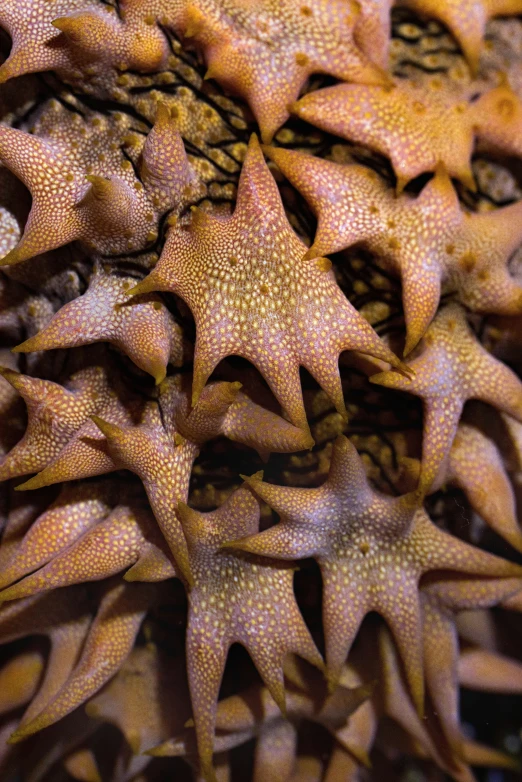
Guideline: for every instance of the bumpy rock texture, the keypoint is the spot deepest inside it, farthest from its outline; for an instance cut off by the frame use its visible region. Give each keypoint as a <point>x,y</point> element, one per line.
<point>260,396</point>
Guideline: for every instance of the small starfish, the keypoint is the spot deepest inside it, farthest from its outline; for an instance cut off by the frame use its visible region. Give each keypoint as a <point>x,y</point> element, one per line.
<point>253,295</point>
<point>427,240</point>
<point>451,368</point>
<point>372,551</point>
<point>110,639</point>
<point>55,415</point>
<point>266,51</point>
<point>236,599</point>
<point>111,545</point>
<point>85,35</point>
<point>77,509</point>
<point>81,193</point>
<point>143,329</point>
<point>466,20</point>
<point>416,128</point>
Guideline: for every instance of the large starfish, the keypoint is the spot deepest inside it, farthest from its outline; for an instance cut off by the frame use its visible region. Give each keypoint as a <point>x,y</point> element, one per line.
<point>253,295</point>
<point>452,367</point>
<point>82,192</point>
<point>55,415</point>
<point>428,240</point>
<point>110,638</point>
<point>415,127</point>
<point>265,51</point>
<point>372,550</point>
<point>236,599</point>
<point>75,36</point>
<point>143,329</point>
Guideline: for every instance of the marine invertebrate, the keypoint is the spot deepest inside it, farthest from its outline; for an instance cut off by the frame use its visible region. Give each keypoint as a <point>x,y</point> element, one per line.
<point>181,306</point>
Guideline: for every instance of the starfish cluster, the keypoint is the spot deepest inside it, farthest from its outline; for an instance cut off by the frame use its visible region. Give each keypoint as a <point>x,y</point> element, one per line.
<point>260,389</point>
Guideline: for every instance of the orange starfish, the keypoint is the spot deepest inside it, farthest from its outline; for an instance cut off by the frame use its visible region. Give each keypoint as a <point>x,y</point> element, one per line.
<point>143,329</point>
<point>236,600</point>
<point>415,128</point>
<point>427,240</point>
<point>252,294</point>
<point>372,551</point>
<point>82,193</point>
<point>452,367</point>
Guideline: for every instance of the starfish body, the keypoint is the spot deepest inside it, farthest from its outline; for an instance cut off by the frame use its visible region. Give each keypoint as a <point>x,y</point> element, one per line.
<point>451,368</point>
<point>429,241</point>
<point>372,551</point>
<point>234,599</point>
<point>253,295</point>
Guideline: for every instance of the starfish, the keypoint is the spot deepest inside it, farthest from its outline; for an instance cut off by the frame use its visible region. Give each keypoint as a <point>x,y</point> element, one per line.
<point>111,545</point>
<point>82,193</point>
<point>428,240</point>
<point>451,368</point>
<point>55,415</point>
<point>75,36</point>
<point>266,51</point>
<point>466,20</point>
<point>236,600</point>
<point>488,671</point>
<point>19,679</point>
<point>252,294</point>
<point>77,509</point>
<point>143,329</point>
<point>417,128</point>
<point>109,640</point>
<point>254,713</point>
<point>372,550</point>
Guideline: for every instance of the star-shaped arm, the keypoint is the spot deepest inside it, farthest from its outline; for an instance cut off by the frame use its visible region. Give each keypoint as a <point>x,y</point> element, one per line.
<point>110,546</point>
<point>488,671</point>
<point>266,51</point>
<point>236,599</point>
<point>55,414</point>
<point>110,639</point>
<point>451,368</point>
<point>77,508</point>
<point>235,273</point>
<point>19,680</point>
<point>476,467</point>
<point>164,468</point>
<point>498,119</point>
<point>142,328</point>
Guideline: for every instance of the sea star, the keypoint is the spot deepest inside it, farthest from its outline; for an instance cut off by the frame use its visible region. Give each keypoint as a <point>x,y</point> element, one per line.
<point>236,599</point>
<point>253,295</point>
<point>428,240</point>
<point>372,550</point>
<point>451,368</point>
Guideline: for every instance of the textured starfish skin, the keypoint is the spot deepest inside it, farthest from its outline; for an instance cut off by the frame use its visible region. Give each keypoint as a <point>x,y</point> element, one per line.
<point>265,51</point>
<point>237,273</point>
<point>143,328</point>
<point>81,193</point>
<point>362,541</point>
<point>235,600</point>
<point>451,368</point>
<point>55,415</point>
<point>428,240</point>
<point>415,128</point>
